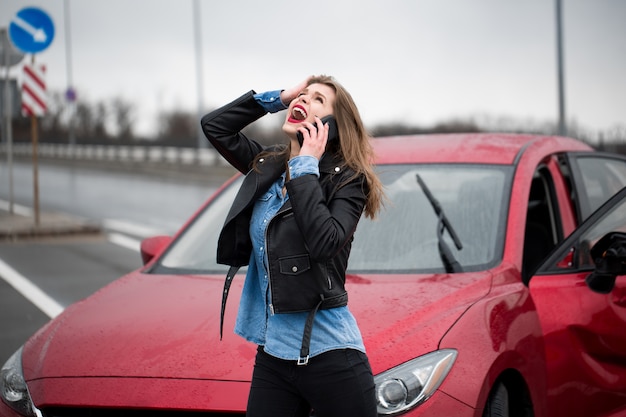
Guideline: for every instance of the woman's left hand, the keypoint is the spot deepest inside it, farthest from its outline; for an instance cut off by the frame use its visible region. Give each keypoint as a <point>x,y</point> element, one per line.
<point>314,139</point>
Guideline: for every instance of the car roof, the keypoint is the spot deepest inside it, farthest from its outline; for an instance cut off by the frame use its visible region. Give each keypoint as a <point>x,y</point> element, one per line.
<point>473,148</point>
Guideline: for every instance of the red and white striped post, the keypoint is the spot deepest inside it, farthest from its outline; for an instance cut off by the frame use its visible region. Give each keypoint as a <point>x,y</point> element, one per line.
<point>34,105</point>
<point>34,90</point>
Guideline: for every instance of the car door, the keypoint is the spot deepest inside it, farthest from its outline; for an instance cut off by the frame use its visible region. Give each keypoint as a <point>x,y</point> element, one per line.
<point>584,331</point>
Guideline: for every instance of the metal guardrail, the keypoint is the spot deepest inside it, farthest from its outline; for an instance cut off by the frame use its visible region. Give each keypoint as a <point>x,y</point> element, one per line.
<point>124,154</point>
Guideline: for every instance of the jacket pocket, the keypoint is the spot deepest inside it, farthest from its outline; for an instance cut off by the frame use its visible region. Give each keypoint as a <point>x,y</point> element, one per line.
<point>294,265</point>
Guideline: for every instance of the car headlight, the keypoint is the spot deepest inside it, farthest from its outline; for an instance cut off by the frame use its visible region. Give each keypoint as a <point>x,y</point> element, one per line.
<point>401,388</point>
<point>13,387</point>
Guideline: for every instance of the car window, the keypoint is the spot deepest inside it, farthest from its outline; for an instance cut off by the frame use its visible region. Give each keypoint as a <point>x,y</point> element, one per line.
<point>599,177</point>
<point>575,252</point>
<point>403,238</point>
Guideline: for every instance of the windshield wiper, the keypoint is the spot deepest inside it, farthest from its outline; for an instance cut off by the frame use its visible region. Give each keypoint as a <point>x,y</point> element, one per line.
<point>448,259</point>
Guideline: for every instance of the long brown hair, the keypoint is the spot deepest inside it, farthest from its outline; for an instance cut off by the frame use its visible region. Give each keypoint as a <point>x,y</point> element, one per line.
<point>354,143</point>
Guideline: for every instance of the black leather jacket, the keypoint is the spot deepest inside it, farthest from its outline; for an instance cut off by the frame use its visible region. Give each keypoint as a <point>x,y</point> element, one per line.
<point>309,239</point>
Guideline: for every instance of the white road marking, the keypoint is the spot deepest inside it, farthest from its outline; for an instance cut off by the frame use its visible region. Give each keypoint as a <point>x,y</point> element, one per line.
<point>39,298</point>
<point>129,228</point>
<point>122,228</point>
<point>30,291</point>
<point>124,241</point>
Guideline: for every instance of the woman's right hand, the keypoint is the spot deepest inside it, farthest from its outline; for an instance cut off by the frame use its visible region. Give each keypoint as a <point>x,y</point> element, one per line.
<point>290,94</point>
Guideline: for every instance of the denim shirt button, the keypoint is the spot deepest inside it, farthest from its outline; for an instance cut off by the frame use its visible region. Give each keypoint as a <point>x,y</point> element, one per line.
<point>294,268</point>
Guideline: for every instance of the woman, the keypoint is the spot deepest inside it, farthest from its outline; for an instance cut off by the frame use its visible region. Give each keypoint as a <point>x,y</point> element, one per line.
<point>292,222</point>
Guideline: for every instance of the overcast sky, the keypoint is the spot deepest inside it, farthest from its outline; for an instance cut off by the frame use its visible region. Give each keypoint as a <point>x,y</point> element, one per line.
<point>415,61</point>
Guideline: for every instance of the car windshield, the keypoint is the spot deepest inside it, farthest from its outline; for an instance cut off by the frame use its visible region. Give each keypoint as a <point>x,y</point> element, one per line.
<point>403,238</point>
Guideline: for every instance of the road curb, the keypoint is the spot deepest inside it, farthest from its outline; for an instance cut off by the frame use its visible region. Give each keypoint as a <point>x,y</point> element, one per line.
<point>14,227</point>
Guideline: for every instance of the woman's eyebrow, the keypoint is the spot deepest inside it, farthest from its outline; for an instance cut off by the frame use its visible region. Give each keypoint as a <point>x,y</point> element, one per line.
<point>317,93</point>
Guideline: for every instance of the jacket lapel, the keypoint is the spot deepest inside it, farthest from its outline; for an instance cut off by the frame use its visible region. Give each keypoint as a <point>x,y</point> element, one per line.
<point>254,184</point>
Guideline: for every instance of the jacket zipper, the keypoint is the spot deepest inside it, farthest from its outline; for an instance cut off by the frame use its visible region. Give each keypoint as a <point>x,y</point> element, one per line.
<point>267,255</point>
<point>330,282</point>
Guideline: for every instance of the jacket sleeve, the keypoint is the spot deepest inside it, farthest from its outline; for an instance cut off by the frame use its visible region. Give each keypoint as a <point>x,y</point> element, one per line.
<point>223,126</point>
<point>326,226</point>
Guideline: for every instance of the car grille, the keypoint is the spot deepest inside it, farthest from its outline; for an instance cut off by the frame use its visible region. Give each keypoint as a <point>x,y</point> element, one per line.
<point>121,412</point>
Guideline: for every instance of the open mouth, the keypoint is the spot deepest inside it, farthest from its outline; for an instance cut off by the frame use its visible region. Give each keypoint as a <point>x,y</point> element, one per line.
<point>298,114</point>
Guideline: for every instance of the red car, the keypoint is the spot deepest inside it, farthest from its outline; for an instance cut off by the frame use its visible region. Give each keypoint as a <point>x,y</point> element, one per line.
<point>491,285</point>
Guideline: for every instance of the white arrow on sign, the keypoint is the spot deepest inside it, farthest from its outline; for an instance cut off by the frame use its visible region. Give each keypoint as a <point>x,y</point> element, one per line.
<point>39,35</point>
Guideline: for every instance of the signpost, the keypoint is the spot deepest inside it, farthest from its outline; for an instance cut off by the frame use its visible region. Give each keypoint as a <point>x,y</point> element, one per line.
<point>10,57</point>
<point>32,31</point>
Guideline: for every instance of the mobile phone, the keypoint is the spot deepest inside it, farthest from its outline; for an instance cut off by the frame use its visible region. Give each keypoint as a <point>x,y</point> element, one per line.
<point>333,132</point>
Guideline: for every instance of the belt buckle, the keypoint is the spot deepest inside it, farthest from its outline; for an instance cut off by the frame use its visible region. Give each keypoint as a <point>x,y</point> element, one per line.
<point>303,361</point>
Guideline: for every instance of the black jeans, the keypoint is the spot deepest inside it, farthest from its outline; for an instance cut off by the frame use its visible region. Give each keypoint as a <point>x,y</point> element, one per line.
<point>338,383</point>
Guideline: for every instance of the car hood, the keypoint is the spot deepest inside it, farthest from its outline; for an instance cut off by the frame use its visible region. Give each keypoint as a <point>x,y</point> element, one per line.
<point>167,326</point>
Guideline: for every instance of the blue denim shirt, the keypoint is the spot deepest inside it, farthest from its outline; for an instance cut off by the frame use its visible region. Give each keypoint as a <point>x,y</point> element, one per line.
<point>281,334</point>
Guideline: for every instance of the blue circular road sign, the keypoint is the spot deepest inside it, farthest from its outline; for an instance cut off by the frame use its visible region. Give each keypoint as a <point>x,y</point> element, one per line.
<point>70,94</point>
<point>31,30</point>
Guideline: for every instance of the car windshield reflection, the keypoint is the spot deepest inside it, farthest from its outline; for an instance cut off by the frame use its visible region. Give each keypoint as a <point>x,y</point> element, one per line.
<point>403,239</point>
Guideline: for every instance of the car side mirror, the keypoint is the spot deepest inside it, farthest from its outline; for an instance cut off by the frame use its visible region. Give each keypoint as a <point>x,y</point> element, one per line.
<point>152,246</point>
<point>609,256</point>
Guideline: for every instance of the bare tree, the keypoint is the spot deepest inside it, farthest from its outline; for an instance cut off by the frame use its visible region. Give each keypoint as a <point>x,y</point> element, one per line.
<point>100,120</point>
<point>124,118</point>
<point>83,121</point>
<point>177,128</point>
<point>53,128</point>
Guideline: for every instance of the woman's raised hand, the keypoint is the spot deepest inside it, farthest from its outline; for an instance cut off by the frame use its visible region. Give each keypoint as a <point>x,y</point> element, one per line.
<point>291,93</point>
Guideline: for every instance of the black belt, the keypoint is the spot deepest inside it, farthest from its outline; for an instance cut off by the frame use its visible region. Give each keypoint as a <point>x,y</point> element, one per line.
<point>229,280</point>
<point>306,336</point>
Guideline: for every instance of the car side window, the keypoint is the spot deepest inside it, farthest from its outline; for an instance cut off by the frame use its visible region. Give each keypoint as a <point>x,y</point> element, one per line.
<point>596,179</point>
<point>575,251</point>
<point>543,230</point>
